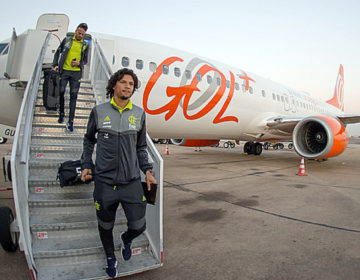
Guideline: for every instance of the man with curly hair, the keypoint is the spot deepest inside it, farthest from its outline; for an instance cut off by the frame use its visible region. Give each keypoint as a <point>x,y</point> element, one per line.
<point>121,151</point>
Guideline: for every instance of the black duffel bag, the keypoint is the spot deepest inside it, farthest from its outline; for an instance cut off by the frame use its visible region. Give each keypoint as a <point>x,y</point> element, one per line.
<point>69,173</point>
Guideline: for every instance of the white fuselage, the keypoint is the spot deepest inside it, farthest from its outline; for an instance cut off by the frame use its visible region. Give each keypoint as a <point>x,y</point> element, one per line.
<point>191,96</point>
<point>238,111</point>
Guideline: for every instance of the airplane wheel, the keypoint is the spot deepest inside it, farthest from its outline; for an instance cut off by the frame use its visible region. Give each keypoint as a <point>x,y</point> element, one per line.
<point>232,145</point>
<point>8,239</point>
<point>258,149</point>
<point>266,145</point>
<point>247,147</point>
<point>276,147</point>
<point>8,170</point>
<point>281,146</point>
<point>226,145</point>
<point>3,140</point>
<point>290,146</point>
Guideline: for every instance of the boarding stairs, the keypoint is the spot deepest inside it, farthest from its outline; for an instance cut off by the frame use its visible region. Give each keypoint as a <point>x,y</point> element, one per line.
<point>58,226</point>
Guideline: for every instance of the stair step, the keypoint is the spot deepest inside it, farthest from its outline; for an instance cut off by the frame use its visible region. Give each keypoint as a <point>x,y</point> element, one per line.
<point>57,141</point>
<point>81,98</point>
<point>53,117</point>
<point>83,93</point>
<point>45,200</point>
<point>59,126</point>
<point>92,266</point>
<point>41,108</point>
<point>55,152</point>
<point>38,185</point>
<point>72,153</point>
<point>47,244</point>
<point>52,120</point>
<point>79,103</point>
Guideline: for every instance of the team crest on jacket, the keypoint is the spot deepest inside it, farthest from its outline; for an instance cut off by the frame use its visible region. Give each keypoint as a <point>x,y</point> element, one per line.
<point>132,122</point>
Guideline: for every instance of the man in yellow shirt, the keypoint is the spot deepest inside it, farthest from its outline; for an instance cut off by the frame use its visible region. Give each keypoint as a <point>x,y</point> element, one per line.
<point>69,59</point>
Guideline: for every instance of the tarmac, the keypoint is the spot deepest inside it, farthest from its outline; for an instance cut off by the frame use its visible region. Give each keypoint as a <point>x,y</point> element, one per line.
<point>228,215</point>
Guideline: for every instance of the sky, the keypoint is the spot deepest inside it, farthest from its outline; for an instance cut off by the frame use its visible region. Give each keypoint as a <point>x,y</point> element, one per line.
<point>297,43</point>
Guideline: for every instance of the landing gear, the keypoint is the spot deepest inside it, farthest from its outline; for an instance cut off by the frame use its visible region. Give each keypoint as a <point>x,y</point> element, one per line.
<point>8,239</point>
<point>253,148</point>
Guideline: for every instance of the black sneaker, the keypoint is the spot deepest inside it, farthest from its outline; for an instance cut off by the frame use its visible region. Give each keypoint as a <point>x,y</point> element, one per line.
<point>70,126</point>
<point>61,118</point>
<point>111,267</point>
<point>126,248</point>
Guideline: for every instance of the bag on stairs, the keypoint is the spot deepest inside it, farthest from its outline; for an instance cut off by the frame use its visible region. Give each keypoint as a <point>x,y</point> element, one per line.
<point>51,89</point>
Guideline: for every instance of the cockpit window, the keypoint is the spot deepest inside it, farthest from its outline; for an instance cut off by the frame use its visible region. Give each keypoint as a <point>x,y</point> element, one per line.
<point>4,48</point>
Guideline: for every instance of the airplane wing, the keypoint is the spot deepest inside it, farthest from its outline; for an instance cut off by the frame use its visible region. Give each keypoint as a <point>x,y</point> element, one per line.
<point>349,118</point>
<point>283,124</point>
<point>287,124</point>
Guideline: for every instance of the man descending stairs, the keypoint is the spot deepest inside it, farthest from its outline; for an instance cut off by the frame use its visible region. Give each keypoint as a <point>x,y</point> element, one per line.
<point>65,241</point>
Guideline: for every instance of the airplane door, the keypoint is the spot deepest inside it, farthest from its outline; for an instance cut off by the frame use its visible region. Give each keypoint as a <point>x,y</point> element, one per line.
<point>292,104</point>
<point>286,102</point>
<point>58,25</point>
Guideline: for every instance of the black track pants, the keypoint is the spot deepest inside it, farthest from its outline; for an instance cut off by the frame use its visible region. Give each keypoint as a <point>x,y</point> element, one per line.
<point>107,199</point>
<point>74,78</point>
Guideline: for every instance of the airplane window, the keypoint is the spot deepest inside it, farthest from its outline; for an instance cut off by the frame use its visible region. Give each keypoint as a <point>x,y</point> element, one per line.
<point>274,96</point>
<point>263,93</point>
<point>243,88</point>
<point>286,99</point>
<point>209,79</point>
<point>198,77</point>
<point>237,86</point>
<point>165,69</point>
<point>227,83</point>
<point>139,64</point>
<point>3,48</point>
<point>282,98</point>
<point>177,72</point>
<point>251,90</point>
<point>152,66</point>
<point>187,74</point>
<point>218,81</point>
<point>278,97</point>
<point>125,61</point>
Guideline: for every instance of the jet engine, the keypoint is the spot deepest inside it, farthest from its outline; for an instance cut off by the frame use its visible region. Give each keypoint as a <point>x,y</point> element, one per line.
<point>320,137</point>
<point>194,142</point>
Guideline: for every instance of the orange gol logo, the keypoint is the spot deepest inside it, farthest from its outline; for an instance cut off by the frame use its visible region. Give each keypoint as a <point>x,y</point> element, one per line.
<point>185,93</point>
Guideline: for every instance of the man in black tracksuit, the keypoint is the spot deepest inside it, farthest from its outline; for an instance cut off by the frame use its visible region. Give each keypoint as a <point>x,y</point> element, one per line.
<point>121,151</point>
<point>69,59</point>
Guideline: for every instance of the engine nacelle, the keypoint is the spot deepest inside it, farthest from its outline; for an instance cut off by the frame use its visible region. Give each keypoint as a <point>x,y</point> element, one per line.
<point>320,137</point>
<point>194,142</point>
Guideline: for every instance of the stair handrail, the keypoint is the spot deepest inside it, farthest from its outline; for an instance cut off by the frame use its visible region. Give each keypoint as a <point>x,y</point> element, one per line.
<point>20,153</point>
<point>101,72</point>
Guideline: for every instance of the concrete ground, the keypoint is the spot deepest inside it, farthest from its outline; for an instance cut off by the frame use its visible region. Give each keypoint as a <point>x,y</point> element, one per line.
<point>234,216</point>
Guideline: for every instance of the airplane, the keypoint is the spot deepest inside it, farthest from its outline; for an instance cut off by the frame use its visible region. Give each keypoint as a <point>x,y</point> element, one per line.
<point>193,100</point>
<point>196,101</point>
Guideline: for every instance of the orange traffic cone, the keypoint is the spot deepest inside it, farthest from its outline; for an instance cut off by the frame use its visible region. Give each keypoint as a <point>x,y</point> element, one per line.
<point>167,150</point>
<point>302,168</point>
